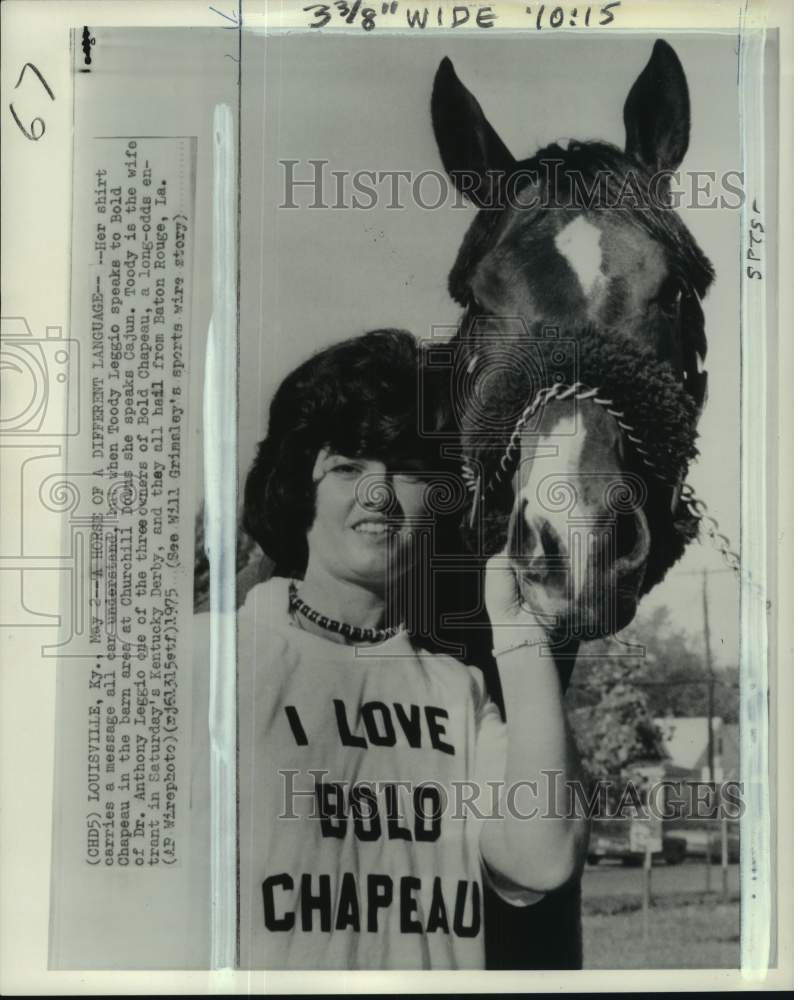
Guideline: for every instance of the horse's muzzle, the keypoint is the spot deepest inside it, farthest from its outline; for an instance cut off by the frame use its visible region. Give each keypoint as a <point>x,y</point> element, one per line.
<point>584,580</point>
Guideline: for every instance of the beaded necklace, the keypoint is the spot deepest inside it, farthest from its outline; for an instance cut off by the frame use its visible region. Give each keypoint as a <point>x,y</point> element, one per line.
<point>354,633</point>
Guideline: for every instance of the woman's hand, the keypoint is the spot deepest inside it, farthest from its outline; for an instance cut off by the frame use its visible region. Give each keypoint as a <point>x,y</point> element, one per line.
<point>512,622</point>
<point>530,848</point>
<point>502,596</point>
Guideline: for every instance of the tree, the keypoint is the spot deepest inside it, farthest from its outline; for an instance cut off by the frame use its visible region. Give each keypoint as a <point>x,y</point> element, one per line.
<point>673,670</point>
<point>651,669</point>
<point>612,720</point>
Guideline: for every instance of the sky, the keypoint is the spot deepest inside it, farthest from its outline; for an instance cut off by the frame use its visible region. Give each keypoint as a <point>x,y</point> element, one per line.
<point>313,276</point>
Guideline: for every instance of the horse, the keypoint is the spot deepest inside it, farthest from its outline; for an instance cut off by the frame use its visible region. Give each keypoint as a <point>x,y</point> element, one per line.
<point>574,388</point>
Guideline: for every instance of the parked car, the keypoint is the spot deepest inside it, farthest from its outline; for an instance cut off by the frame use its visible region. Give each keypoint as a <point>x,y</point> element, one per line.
<point>697,842</point>
<point>611,839</point>
<point>615,844</point>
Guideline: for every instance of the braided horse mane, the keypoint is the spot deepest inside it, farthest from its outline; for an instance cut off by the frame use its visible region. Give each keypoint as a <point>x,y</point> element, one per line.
<point>657,414</point>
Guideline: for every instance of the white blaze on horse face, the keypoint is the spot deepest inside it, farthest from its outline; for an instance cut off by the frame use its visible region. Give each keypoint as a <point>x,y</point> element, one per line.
<point>580,244</point>
<point>562,456</point>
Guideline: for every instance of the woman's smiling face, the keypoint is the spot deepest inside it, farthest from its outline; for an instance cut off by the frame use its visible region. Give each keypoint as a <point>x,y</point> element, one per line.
<point>366,514</point>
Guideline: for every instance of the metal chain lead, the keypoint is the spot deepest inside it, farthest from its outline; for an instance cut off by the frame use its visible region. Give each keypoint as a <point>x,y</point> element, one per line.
<point>710,527</point>
<point>707,524</point>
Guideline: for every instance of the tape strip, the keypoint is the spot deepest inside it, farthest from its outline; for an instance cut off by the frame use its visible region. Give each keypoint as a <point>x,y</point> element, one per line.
<point>220,465</point>
<point>756,903</point>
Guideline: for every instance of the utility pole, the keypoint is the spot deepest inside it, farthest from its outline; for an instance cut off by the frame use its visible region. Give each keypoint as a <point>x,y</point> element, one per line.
<point>710,711</point>
<point>710,672</point>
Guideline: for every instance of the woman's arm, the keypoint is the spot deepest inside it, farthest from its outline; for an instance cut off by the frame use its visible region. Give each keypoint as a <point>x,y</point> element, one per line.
<point>536,843</point>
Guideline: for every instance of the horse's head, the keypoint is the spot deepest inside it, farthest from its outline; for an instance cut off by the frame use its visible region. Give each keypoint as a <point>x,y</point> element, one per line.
<point>583,233</point>
<point>577,239</point>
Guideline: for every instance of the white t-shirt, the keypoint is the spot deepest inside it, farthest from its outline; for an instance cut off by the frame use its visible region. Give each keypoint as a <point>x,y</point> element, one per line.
<point>375,738</point>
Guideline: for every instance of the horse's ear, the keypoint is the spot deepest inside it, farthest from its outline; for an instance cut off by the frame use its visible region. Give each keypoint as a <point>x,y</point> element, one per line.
<point>469,146</point>
<point>656,112</point>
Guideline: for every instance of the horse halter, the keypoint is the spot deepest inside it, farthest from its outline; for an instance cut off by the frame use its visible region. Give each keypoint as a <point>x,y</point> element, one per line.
<point>683,495</point>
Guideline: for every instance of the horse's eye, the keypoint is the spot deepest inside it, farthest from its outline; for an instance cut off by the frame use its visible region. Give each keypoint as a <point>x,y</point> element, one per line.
<point>475,306</point>
<point>670,296</point>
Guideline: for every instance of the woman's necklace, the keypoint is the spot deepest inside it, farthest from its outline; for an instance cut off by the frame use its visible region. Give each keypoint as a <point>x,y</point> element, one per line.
<point>354,633</point>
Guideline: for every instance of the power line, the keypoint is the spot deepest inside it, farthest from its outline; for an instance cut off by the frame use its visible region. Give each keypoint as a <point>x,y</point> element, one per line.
<point>698,572</point>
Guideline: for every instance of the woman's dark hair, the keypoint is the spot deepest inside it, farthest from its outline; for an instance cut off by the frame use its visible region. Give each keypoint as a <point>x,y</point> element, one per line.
<point>359,397</point>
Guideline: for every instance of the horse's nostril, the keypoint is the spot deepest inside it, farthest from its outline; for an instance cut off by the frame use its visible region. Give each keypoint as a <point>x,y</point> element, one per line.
<point>550,541</point>
<point>522,539</point>
<point>536,550</point>
<point>626,534</point>
<point>633,541</point>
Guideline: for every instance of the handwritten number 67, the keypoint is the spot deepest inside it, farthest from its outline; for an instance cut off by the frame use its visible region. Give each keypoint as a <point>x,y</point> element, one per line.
<point>34,135</point>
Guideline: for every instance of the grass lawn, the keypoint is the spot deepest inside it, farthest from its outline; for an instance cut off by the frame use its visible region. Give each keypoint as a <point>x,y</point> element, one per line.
<point>684,931</point>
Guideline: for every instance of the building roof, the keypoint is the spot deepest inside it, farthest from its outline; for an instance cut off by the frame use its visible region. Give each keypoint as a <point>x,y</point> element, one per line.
<point>686,740</point>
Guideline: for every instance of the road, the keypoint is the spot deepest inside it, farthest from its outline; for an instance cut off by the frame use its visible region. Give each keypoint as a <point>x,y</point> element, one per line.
<point>613,879</point>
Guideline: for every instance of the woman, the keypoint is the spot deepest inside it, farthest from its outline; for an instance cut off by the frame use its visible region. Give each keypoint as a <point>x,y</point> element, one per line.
<point>366,824</point>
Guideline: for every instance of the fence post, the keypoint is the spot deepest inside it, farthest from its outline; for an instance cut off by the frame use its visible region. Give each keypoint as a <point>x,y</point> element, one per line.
<point>646,892</point>
<point>708,858</point>
<point>724,847</point>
